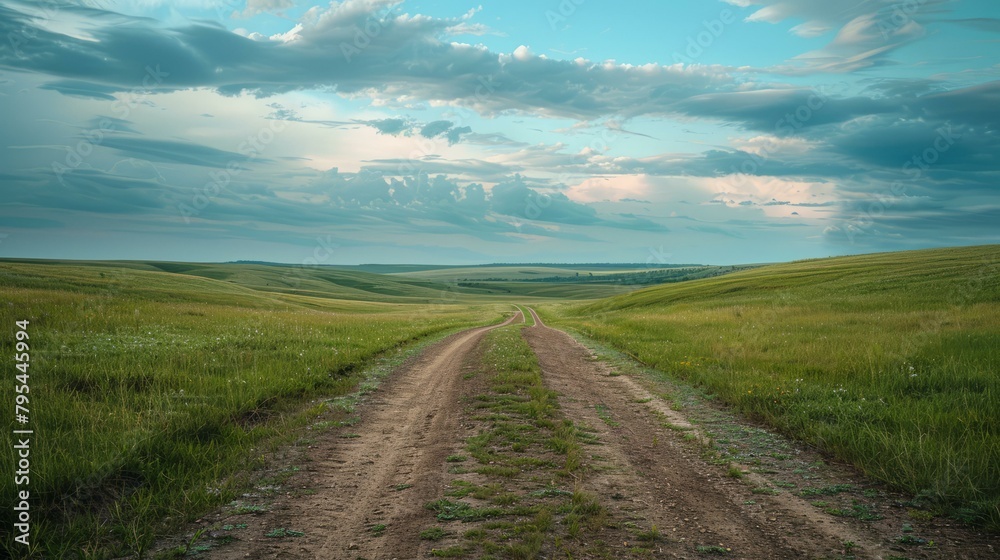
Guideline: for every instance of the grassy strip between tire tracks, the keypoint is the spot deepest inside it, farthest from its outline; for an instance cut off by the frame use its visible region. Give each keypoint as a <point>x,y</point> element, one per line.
<point>518,486</point>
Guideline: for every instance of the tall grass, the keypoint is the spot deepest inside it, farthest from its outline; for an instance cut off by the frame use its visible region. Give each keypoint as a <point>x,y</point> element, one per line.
<point>150,390</point>
<point>890,361</point>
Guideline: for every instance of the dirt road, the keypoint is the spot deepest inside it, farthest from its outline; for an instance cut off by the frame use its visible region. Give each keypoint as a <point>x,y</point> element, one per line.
<point>363,490</point>
<point>664,478</point>
<point>381,473</point>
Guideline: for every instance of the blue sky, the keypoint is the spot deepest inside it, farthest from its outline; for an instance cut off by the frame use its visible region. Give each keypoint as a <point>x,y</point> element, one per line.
<point>454,132</point>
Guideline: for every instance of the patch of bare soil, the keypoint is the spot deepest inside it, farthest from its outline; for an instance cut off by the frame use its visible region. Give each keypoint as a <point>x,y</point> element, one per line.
<point>659,470</point>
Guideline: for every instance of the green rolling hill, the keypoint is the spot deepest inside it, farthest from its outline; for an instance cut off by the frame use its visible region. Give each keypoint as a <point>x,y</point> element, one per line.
<point>890,361</point>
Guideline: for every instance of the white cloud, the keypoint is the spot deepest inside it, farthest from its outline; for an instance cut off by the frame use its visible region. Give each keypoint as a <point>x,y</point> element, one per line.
<point>288,36</point>
<point>255,7</point>
<point>769,145</point>
<point>773,196</point>
<point>612,188</point>
<point>866,30</point>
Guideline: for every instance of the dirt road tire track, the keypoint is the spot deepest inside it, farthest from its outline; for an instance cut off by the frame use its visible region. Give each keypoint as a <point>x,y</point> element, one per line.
<point>406,431</point>
<point>670,484</point>
<point>657,477</point>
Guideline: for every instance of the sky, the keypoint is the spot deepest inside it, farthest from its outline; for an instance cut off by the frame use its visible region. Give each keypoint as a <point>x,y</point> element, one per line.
<point>452,132</point>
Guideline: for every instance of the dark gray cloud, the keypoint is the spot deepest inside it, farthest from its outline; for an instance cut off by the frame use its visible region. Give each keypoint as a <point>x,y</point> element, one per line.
<point>397,126</point>
<point>432,129</point>
<point>89,190</point>
<point>782,111</point>
<point>447,129</point>
<point>514,205</point>
<point>983,24</point>
<point>31,223</point>
<point>80,88</point>
<point>916,225</point>
<point>173,151</point>
<point>155,178</point>
<point>717,163</point>
<point>974,105</point>
<point>515,198</point>
<point>902,88</point>
<point>455,134</point>
<point>919,145</point>
<point>444,199</point>
<point>109,123</point>
<point>482,170</point>
<point>407,58</point>
<point>392,127</point>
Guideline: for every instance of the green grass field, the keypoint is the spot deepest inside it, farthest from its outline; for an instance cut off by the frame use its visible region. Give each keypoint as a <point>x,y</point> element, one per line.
<point>156,386</point>
<point>439,286</point>
<point>890,361</point>
<point>323,282</point>
<point>150,391</point>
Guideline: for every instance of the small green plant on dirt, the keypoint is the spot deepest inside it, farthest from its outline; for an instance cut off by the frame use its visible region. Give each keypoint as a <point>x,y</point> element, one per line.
<point>713,549</point>
<point>282,532</point>
<point>433,534</point>
<point>189,546</point>
<point>448,510</point>
<point>605,414</point>
<point>829,490</point>
<point>651,535</point>
<point>243,509</point>
<point>450,552</point>
<point>859,511</point>
<point>919,515</point>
